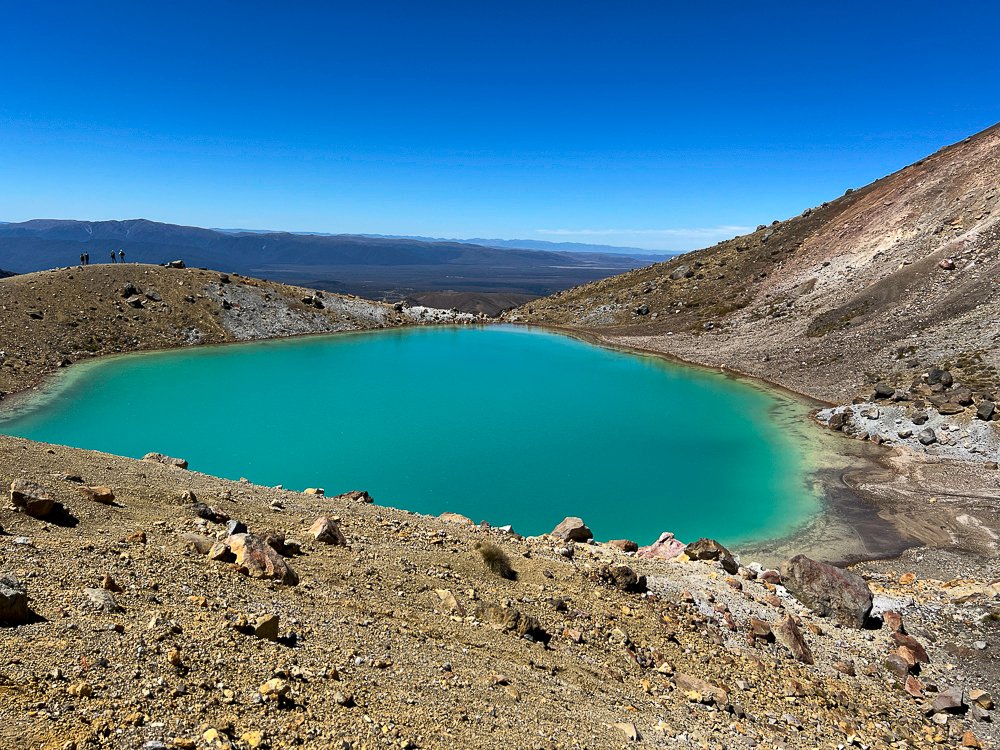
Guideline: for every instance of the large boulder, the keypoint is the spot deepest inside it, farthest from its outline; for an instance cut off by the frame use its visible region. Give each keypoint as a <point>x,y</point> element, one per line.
<point>572,529</point>
<point>101,600</point>
<point>32,498</point>
<point>709,549</point>
<point>625,545</point>
<point>159,458</point>
<point>884,390</point>
<point>926,436</point>
<point>258,559</point>
<point>13,602</point>
<point>666,547</point>
<point>681,272</point>
<point>326,530</point>
<point>828,591</point>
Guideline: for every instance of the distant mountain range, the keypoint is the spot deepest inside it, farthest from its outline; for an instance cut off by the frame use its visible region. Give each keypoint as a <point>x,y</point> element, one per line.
<point>373,266</point>
<point>559,247</point>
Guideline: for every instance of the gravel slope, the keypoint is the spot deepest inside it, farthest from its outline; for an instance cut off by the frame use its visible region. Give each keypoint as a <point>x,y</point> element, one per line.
<point>382,645</point>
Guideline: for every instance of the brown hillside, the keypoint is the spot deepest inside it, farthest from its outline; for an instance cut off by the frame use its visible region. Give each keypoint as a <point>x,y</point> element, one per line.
<point>835,298</point>
<point>53,318</point>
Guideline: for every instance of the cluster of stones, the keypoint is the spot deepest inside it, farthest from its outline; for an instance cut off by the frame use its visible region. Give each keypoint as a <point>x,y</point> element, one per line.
<point>828,591</point>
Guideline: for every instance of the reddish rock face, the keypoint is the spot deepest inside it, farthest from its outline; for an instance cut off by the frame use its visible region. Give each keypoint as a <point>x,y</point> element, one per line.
<point>828,591</point>
<point>258,560</point>
<point>893,621</point>
<point>99,494</point>
<point>760,630</point>
<point>914,651</point>
<point>666,547</point>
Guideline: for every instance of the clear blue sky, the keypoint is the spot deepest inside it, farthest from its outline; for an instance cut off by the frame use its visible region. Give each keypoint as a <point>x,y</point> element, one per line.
<point>654,124</point>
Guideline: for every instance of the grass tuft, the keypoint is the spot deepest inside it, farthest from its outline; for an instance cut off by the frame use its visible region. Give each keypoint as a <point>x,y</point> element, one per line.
<point>496,560</point>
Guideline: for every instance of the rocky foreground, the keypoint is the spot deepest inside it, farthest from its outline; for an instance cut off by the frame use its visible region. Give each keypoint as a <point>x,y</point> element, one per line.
<point>150,606</point>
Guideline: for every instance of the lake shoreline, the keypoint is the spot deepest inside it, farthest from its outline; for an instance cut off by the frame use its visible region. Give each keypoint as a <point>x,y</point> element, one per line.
<point>866,482</point>
<point>891,484</point>
<point>640,422</point>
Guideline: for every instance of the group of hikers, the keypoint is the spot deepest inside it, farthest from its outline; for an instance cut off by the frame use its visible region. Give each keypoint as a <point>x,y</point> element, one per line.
<point>119,258</point>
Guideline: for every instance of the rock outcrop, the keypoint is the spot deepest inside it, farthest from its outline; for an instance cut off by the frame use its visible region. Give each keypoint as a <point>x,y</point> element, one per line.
<point>572,529</point>
<point>828,591</point>
<point>257,559</point>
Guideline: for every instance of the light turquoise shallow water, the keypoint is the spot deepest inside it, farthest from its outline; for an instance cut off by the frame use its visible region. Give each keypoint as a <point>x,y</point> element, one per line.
<point>508,425</point>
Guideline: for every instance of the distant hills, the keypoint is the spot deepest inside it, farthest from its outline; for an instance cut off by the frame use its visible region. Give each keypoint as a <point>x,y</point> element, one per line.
<point>380,267</point>
<point>558,247</point>
<point>564,247</point>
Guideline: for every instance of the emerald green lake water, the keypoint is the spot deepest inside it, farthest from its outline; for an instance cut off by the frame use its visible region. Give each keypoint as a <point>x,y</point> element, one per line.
<point>509,425</point>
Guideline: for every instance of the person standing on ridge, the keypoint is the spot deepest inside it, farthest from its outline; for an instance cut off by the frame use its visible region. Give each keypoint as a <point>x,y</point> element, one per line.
<point>81,259</point>
<point>113,257</point>
<point>121,256</point>
<point>86,259</point>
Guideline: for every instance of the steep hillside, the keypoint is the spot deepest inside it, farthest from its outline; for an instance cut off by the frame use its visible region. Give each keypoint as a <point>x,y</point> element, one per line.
<point>53,318</point>
<point>881,284</point>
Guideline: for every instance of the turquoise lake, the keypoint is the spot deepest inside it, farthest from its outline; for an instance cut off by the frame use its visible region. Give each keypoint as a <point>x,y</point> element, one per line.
<point>503,424</point>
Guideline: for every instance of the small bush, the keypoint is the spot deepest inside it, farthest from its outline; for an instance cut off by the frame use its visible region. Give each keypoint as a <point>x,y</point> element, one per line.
<point>496,560</point>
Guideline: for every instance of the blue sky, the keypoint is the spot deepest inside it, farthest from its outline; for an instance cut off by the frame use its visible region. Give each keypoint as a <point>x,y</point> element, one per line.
<point>652,124</point>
